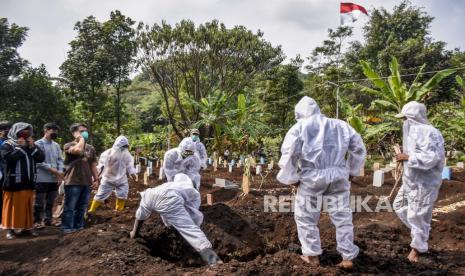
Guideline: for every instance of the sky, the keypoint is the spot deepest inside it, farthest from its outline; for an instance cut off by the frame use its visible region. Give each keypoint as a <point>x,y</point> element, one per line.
<point>297,25</point>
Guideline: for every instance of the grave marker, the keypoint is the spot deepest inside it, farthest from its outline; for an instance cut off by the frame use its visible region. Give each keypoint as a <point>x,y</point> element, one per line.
<point>378,178</point>
<point>146,179</point>
<point>376,166</point>
<point>161,173</point>
<point>460,165</point>
<point>209,199</point>
<point>258,170</point>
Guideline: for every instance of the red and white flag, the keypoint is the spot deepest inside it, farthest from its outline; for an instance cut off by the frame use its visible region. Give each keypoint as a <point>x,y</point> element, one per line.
<point>350,12</point>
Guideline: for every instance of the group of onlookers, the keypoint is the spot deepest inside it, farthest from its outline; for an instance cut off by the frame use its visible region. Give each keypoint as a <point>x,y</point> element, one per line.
<point>32,171</point>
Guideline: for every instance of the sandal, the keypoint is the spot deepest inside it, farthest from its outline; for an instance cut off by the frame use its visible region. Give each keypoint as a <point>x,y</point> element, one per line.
<point>10,235</point>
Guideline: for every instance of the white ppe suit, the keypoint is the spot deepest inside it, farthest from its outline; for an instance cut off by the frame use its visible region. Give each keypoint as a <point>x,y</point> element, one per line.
<point>178,204</point>
<point>314,153</point>
<point>200,151</point>
<point>174,163</point>
<point>422,174</point>
<point>116,163</point>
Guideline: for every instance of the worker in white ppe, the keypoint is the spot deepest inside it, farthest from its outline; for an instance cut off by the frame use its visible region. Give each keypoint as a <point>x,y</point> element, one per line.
<point>178,204</point>
<point>314,158</point>
<point>182,160</point>
<point>200,150</point>
<point>114,165</point>
<point>423,157</point>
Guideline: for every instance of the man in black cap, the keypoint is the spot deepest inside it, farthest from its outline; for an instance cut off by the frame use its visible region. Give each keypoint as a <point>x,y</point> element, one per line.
<point>4,129</point>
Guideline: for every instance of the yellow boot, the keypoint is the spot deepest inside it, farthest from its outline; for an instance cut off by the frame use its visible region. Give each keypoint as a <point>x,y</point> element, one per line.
<point>94,206</point>
<point>119,204</point>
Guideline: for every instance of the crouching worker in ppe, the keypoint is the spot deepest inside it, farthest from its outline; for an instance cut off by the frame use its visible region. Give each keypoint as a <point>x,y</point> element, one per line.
<point>115,164</point>
<point>314,154</point>
<point>178,204</point>
<point>423,157</point>
<point>183,160</point>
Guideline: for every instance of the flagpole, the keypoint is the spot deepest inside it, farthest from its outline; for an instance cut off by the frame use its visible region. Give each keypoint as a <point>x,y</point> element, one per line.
<point>338,71</point>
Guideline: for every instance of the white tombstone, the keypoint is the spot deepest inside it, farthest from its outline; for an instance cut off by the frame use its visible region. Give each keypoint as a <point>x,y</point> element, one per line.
<point>378,178</point>
<point>138,168</point>
<point>150,165</point>
<point>162,174</point>
<point>362,171</point>
<point>376,166</point>
<point>258,170</point>
<point>270,167</point>
<point>230,168</point>
<point>460,165</point>
<point>223,183</point>
<point>149,171</point>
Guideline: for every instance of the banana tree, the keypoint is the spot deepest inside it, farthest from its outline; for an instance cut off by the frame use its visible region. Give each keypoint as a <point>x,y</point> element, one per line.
<point>212,115</point>
<point>244,123</point>
<point>392,94</point>
<point>353,116</point>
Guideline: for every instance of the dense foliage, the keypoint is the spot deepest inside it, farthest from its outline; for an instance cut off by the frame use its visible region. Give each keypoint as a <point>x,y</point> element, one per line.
<point>153,83</point>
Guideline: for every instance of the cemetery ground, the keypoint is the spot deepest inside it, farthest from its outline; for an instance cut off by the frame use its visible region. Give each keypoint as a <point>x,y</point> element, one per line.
<point>249,240</point>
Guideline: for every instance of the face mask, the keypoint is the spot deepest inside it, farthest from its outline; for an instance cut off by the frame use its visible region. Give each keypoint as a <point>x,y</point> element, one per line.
<point>195,138</point>
<point>53,135</point>
<point>186,154</point>
<point>24,134</point>
<point>85,135</point>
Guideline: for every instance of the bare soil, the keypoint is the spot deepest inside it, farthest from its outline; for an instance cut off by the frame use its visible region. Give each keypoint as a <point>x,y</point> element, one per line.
<point>249,240</point>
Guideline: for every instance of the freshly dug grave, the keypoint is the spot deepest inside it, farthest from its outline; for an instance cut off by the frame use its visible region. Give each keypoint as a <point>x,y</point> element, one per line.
<point>249,240</point>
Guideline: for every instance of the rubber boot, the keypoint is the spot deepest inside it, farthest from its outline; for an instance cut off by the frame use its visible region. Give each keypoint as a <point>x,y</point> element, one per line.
<point>94,206</point>
<point>209,256</point>
<point>119,204</point>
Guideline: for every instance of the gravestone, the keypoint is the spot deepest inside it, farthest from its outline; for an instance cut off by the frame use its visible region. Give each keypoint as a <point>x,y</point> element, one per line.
<point>258,170</point>
<point>146,179</point>
<point>149,171</point>
<point>376,166</point>
<point>446,173</point>
<point>209,199</point>
<point>262,160</point>
<point>460,165</point>
<point>138,169</point>
<point>378,178</point>
<point>225,184</point>
<point>230,168</point>
<point>161,173</point>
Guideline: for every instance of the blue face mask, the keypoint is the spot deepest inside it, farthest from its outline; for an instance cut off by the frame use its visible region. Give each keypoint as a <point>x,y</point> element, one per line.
<point>85,135</point>
<point>195,138</point>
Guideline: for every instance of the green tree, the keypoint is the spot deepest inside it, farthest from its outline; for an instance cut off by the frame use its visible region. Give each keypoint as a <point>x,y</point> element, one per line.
<point>34,99</point>
<point>119,42</point>
<point>85,71</point>
<point>281,91</point>
<point>404,33</point>
<point>190,63</point>
<point>392,94</point>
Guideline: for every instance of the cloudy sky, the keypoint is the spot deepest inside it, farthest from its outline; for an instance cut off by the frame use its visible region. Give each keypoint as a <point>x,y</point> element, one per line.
<point>297,25</point>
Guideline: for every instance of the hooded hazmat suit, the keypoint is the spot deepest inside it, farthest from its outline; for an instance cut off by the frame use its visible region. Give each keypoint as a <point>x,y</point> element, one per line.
<point>178,204</point>
<point>422,177</point>
<point>174,163</point>
<point>115,164</point>
<point>200,151</point>
<point>314,152</point>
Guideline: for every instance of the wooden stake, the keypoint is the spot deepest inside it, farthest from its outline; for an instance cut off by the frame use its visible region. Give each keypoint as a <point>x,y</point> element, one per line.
<point>245,185</point>
<point>146,179</point>
<point>209,199</point>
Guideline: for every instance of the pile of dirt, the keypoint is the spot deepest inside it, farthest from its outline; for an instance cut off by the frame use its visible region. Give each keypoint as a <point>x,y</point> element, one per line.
<point>248,239</point>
